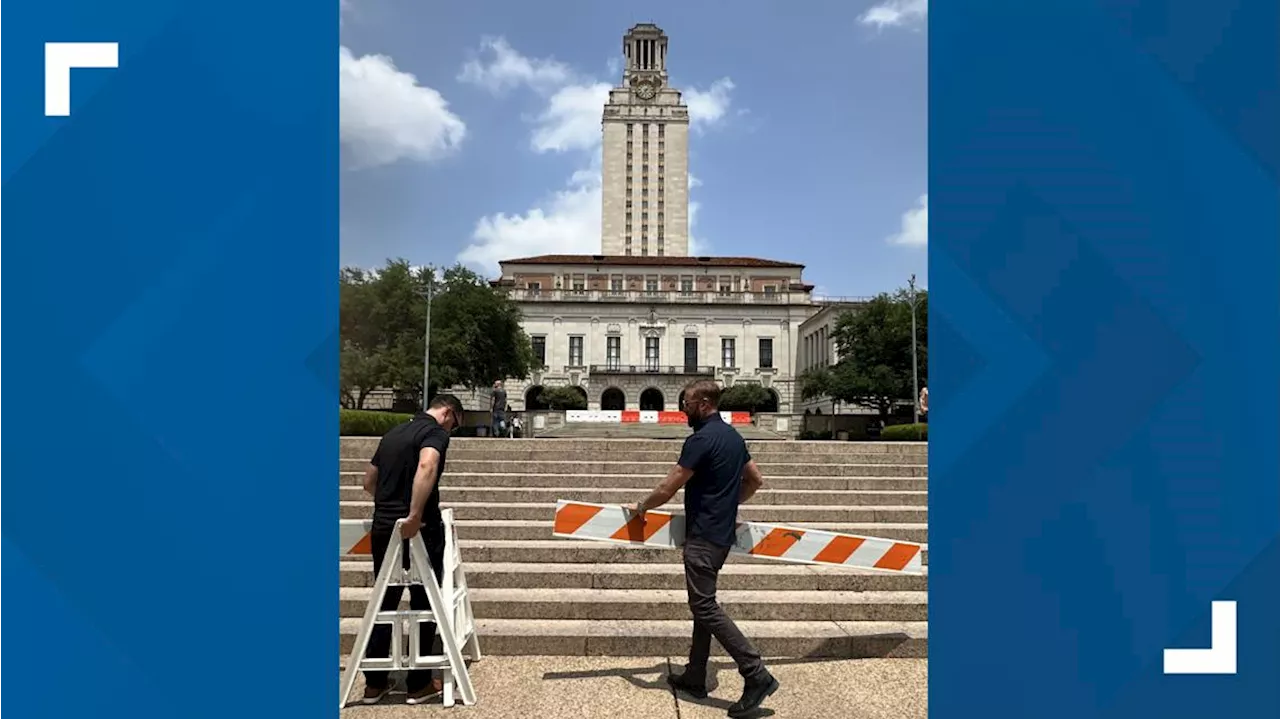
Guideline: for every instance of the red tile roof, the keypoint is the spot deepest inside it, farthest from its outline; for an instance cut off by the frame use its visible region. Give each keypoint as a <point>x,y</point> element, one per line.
<point>650,261</point>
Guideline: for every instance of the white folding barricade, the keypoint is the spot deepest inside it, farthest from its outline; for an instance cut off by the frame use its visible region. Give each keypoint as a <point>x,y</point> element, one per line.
<point>450,610</point>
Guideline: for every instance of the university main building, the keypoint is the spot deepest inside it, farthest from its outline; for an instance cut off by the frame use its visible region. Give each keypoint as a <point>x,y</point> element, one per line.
<point>630,327</point>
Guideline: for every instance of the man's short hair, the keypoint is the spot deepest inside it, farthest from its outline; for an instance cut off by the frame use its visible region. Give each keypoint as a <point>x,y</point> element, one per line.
<point>707,389</point>
<point>450,401</point>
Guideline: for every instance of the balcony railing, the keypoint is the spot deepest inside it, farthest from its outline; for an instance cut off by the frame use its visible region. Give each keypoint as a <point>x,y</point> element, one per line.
<point>650,368</point>
<point>770,298</point>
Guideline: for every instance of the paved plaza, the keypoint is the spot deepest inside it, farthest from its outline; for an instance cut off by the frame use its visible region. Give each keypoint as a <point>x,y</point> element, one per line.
<point>593,687</point>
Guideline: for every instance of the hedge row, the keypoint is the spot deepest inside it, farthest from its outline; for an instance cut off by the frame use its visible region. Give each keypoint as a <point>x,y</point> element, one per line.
<point>363,423</point>
<point>809,434</point>
<point>905,433</point>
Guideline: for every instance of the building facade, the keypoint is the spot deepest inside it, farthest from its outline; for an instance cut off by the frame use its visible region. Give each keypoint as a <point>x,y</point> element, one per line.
<point>630,332</point>
<point>630,327</point>
<point>818,350</point>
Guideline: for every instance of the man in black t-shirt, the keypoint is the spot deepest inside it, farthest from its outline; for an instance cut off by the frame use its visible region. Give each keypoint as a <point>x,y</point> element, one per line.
<point>717,474</point>
<point>403,478</point>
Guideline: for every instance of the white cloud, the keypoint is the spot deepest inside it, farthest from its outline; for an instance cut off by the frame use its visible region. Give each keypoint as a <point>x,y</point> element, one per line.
<point>698,246</point>
<point>914,231</point>
<point>567,222</point>
<point>896,13</point>
<point>384,115</point>
<point>708,107</point>
<point>498,67</point>
<point>571,120</point>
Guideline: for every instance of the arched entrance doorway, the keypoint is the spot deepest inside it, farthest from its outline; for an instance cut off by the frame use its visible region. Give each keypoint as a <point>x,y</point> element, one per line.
<point>771,405</point>
<point>533,399</point>
<point>613,399</point>
<point>651,400</point>
<point>680,401</point>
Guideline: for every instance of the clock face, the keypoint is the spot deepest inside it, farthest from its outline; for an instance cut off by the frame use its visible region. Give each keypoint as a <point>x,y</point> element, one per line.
<point>646,92</point>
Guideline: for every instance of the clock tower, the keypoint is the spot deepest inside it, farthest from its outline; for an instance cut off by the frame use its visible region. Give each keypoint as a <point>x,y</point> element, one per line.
<point>646,155</point>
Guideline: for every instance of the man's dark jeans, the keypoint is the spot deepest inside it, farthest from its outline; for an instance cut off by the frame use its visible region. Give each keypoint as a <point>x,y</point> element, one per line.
<point>702,563</point>
<point>380,640</point>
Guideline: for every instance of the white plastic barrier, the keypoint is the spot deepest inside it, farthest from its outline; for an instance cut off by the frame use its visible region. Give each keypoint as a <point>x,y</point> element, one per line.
<point>593,416</point>
<point>450,610</point>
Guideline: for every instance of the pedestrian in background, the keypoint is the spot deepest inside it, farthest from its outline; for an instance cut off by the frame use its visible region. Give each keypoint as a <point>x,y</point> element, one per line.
<point>497,410</point>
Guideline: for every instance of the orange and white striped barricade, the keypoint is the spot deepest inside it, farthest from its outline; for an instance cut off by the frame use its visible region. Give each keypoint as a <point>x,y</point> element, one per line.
<point>623,525</point>
<point>450,609</point>
<point>354,539</point>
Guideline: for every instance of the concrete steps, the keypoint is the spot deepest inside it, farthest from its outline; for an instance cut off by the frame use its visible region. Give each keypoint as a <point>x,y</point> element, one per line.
<point>536,594</point>
<point>355,480</point>
<point>774,456</point>
<point>572,551</point>
<point>592,466</point>
<point>778,576</point>
<point>660,604</point>
<point>891,516</point>
<point>529,530</point>
<point>358,464</point>
<point>765,497</point>
<point>363,447</point>
<point>658,638</point>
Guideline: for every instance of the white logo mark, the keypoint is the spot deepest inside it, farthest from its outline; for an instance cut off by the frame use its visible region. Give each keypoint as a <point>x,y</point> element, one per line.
<point>60,58</point>
<point>1219,658</point>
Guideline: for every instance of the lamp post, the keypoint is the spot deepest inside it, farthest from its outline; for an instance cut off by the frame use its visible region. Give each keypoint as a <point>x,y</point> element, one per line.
<point>915,369</point>
<point>426,352</point>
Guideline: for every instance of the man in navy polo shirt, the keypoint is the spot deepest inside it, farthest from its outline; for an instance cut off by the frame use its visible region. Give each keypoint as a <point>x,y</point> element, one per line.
<point>717,474</point>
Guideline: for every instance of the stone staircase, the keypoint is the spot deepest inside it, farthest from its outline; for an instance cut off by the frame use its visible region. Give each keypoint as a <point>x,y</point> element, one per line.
<point>534,594</point>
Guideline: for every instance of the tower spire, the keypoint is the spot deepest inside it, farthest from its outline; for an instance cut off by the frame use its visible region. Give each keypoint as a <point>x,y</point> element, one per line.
<point>646,154</point>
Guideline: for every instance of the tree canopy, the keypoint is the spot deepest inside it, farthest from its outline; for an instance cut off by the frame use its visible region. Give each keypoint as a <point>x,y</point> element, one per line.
<point>744,397</point>
<point>874,344</point>
<point>476,336</point>
<point>563,398</point>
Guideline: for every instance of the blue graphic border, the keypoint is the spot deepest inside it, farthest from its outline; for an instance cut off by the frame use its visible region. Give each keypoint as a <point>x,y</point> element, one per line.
<point>170,362</point>
<point>1105,326</point>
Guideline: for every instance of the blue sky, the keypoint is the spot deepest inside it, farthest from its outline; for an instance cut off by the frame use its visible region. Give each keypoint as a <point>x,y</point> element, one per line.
<point>470,132</point>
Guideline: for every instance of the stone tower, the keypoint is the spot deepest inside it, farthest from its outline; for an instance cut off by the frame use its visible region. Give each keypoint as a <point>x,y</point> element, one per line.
<point>646,155</point>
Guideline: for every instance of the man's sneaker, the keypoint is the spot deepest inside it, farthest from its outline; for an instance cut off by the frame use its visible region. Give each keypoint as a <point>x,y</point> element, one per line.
<point>680,683</point>
<point>373,695</point>
<point>427,693</point>
<point>753,695</point>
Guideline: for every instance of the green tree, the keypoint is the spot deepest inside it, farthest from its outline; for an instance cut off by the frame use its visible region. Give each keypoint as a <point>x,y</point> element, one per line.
<point>475,331</point>
<point>744,398</point>
<point>874,344</point>
<point>563,398</point>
